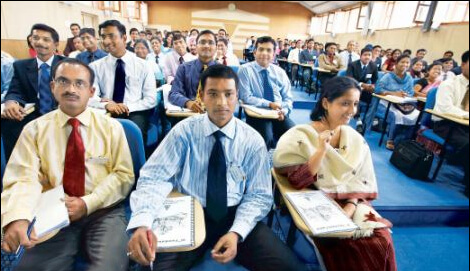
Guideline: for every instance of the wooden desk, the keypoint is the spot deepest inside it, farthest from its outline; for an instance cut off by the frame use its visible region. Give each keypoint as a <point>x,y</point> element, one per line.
<point>256,115</point>
<point>283,185</point>
<point>391,100</point>
<point>448,117</point>
<point>180,114</point>
<point>200,226</point>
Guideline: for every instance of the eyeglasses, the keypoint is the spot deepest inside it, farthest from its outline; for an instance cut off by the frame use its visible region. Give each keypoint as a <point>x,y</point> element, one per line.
<point>65,83</point>
<point>206,42</point>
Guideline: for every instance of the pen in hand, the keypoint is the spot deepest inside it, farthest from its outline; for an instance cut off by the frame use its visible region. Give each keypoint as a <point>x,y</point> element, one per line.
<point>149,238</point>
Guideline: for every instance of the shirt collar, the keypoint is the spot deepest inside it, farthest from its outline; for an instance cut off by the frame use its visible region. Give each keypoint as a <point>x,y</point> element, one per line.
<point>126,57</point>
<point>199,64</point>
<point>84,117</point>
<point>209,127</point>
<point>48,62</point>
<point>259,68</point>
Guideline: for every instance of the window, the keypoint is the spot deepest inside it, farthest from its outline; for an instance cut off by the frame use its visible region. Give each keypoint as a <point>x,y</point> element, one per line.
<point>114,6</point>
<point>132,10</point>
<point>362,16</point>
<point>422,11</point>
<point>329,23</point>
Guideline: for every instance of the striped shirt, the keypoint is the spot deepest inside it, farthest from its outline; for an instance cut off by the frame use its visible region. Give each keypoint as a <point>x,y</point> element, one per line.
<point>181,161</point>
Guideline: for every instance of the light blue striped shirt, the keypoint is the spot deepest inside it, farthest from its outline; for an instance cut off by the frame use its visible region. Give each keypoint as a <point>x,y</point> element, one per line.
<point>182,159</point>
<point>251,86</point>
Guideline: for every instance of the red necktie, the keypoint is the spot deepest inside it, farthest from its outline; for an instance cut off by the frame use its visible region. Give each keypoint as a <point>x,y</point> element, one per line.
<point>74,169</point>
<point>224,60</point>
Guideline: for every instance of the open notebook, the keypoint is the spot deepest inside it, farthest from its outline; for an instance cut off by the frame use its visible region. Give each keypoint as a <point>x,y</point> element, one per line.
<point>51,213</point>
<point>29,108</point>
<point>321,215</point>
<point>168,105</point>
<point>174,227</point>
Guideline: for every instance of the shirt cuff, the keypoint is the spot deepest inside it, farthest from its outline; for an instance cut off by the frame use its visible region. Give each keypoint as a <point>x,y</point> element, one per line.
<point>16,214</point>
<point>140,220</point>
<point>92,203</point>
<point>241,229</point>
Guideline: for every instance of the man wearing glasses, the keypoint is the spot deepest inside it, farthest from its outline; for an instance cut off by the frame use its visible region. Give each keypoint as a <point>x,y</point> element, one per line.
<point>185,87</point>
<point>90,157</point>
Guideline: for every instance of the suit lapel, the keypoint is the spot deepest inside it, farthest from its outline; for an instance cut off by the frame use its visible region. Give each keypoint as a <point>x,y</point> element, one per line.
<point>32,74</point>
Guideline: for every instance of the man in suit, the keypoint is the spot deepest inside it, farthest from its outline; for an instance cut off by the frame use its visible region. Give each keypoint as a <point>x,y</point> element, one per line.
<point>70,47</point>
<point>30,84</point>
<point>366,73</point>
<point>134,34</point>
<point>308,56</point>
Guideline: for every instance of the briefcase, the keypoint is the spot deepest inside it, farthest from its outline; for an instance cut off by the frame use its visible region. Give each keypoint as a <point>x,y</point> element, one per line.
<point>413,159</point>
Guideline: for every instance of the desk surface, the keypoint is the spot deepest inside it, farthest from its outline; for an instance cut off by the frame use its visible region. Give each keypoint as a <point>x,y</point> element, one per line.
<point>284,187</point>
<point>449,117</point>
<point>393,99</point>
<point>200,226</point>
<point>254,114</point>
<point>182,114</point>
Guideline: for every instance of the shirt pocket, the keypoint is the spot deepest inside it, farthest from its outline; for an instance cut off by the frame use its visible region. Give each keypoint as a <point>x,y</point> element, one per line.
<point>97,164</point>
<point>236,179</point>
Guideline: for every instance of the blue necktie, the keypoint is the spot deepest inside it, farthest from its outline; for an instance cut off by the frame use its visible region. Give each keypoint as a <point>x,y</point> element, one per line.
<point>349,59</point>
<point>45,95</point>
<point>268,89</point>
<point>364,69</point>
<point>119,82</point>
<point>216,193</point>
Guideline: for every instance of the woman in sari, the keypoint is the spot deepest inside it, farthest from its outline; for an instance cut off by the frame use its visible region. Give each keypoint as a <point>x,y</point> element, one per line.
<point>423,86</point>
<point>331,156</point>
<point>402,117</point>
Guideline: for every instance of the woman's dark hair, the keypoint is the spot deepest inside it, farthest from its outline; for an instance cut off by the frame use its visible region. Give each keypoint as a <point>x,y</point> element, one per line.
<point>396,50</point>
<point>144,42</point>
<point>29,42</point>
<point>435,63</point>
<point>333,89</point>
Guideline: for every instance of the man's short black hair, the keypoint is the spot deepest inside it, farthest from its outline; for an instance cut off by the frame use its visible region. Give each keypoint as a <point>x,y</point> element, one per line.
<point>206,32</point>
<point>90,31</point>
<point>465,57</point>
<point>45,27</point>
<point>218,71</point>
<point>376,46</point>
<point>421,50</point>
<point>75,24</point>
<point>225,41</point>
<point>74,61</point>
<point>177,36</point>
<point>121,28</point>
<point>265,39</point>
<point>365,50</point>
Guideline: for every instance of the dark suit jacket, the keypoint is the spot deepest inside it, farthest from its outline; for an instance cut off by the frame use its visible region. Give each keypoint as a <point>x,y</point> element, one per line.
<point>306,57</point>
<point>355,71</point>
<point>24,84</point>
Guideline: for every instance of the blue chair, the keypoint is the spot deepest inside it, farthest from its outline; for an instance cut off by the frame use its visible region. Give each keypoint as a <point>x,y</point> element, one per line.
<point>136,144</point>
<point>428,133</point>
<point>342,73</point>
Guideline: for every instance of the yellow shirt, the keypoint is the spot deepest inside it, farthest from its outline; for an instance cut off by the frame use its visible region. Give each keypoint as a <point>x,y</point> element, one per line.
<point>37,163</point>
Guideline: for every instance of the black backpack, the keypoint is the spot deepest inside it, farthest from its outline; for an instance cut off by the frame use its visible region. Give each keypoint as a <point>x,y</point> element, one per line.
<point>413,159</point>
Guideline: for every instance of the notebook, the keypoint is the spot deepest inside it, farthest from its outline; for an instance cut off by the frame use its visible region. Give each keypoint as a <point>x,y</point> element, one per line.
<point>402,100</point>
<point>51,213</point>
<point>29,108</point>
<point>174,227</point>
<point>321,214</point>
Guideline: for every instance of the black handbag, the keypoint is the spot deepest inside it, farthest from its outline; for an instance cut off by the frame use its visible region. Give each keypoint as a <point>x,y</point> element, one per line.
<point>413,159</point>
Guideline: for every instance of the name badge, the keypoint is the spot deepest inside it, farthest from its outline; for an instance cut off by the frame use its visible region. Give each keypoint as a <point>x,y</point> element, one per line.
<point>237,173</point>
<point>100,160</point>
<point>369,76</point>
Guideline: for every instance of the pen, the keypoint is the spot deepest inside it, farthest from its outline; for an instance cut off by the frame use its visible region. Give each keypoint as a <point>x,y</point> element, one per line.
<point>149,238</point>
<point>30,229</point>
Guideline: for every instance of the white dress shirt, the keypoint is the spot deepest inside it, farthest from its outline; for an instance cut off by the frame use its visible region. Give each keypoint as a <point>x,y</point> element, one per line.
<point>294,55</point>
<point>345,57</point>
<point>140,93</point>
<point>450,95</point>
<point>172,62</point>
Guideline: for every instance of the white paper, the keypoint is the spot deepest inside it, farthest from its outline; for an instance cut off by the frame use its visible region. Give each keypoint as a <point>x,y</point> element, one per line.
<point>401,100</point>
<point>166,101</point>
<point>51,213</point>
<point>319,213</point>
<point>174,227</point>
<point>29,108</point>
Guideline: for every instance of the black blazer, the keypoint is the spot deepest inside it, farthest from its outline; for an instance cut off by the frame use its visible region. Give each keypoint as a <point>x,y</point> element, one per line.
<point>24,84</point>
<point>355,71</point>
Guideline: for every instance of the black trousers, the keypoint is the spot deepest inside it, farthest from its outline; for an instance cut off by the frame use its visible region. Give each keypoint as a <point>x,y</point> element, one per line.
<point>11,131</point>
<point>270,130</point>
<point>100,239</point>
<point>459,140</point>
<point>261,251</point>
